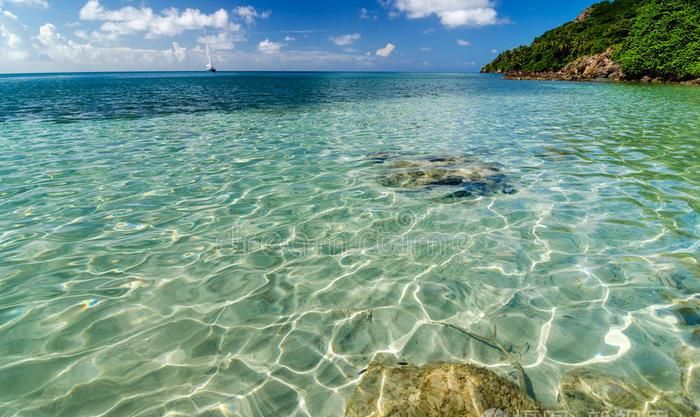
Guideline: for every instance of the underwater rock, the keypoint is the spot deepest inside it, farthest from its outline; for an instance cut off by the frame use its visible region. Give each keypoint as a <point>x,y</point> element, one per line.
<point>686,311</point>
<point>583,393</point>
<point>470,176</point>
<point>695,338</point>
<point>690,315</point>
<point>680,279</point>
<point>381,157</point>
<point>436,390</point>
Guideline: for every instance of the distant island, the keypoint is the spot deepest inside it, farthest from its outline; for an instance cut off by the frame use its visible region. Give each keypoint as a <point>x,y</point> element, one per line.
<point>637,40</point>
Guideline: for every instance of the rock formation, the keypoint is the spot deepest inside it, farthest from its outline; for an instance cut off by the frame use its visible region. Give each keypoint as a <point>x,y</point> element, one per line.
<point>389,389</point>
<point>599,66</point>
<point>466,175</point>
<point>584,392</point>
<point>436,390</point>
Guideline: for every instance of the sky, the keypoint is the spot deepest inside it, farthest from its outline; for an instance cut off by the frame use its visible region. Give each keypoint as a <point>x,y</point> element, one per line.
<point>307,35</point>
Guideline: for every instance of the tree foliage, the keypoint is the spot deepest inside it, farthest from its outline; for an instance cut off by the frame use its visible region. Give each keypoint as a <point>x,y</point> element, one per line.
<point>664,41</point>
<point>650,37</point>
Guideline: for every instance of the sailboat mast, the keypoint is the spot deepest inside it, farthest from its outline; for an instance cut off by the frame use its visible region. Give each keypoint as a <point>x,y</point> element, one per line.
<point>209,65</point>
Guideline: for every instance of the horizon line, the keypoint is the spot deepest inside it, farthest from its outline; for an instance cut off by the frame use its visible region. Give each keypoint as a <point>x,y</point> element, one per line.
<point>236,71</point>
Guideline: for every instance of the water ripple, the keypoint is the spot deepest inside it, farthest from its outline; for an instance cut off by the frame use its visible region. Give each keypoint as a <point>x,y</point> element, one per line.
<point>223,246</point>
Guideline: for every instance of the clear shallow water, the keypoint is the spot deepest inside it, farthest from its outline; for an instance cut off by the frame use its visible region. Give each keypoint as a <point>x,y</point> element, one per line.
<point>179,244</point>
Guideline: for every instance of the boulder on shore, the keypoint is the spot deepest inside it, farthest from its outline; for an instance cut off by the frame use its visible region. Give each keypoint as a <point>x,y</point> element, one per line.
<point>593,67</point>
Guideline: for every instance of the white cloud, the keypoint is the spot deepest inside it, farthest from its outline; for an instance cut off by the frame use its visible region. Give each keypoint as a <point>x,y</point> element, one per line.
<point>249,14</point>
<point>289,38</point>
<point>48,34</point>
<point>179,52</point>
<point>169,22</point>
<point>344,40</point>
<point>462,42</point>
<point>269,47</point>
<point>368,15</point>
<point>312,59</point>
<point>387,50</point>
<point>452,13</point>
<point>220,41</point>
<point>9,15</point>
<point>425,49</point>
<point>95,36</point>
<point>38,3</point>
<point>494,51</point>
<point>50,50</point>
<point>51,45</point>
<point>11,45</point>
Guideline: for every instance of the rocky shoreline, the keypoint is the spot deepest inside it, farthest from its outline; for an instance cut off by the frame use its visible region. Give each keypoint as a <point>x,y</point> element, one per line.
<point>599,67</point>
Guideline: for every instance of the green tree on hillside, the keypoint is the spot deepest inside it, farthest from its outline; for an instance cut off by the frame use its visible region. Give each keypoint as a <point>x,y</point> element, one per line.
<point>608,24</point>
<point>656,38</point>
<point>664,41</point>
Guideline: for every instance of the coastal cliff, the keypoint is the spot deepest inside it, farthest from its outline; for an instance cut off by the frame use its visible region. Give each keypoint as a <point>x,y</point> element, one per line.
<point>644,40</point>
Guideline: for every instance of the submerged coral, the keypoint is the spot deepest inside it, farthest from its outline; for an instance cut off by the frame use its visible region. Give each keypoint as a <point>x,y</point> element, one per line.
<point>442,389</point>
<point>469,176</point>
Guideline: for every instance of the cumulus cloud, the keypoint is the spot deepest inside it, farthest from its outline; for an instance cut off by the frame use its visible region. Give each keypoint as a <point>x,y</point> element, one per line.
<point>345,40</point>
<point>169,22</point>
<point>11,45</point>
<point>11,40</point>
<point>46,48</point>
<point>53,46</point>
<point>249,14</point>
<point>462,42</point>
<point>95,36</point>
<point>178,52</point>
<point>9,15</point>
<point>387,50</point>
<point>36,3</point>
<point>48,34</point>
<point>452,13</point>
<point>269,47</point>
<point>289,38</point>
<point>221,41</point>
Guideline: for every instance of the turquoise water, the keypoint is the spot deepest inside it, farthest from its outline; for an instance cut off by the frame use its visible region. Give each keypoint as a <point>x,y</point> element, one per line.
<point>181,244</point>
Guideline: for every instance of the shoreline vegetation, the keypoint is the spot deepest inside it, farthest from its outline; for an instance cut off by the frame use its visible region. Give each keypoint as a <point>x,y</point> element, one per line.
<point>651,41</point>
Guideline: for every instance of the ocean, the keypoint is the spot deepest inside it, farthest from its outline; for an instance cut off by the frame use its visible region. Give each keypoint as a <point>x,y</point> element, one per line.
<point>185,244</point>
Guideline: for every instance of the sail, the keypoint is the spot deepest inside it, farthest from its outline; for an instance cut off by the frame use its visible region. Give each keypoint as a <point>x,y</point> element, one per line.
<point>210,65</point>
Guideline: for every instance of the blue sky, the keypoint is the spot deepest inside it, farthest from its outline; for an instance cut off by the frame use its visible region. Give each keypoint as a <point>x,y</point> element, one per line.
<point>372,35</point>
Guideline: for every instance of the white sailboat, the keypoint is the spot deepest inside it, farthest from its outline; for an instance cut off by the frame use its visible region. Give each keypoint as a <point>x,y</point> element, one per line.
<point>210,65</point>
